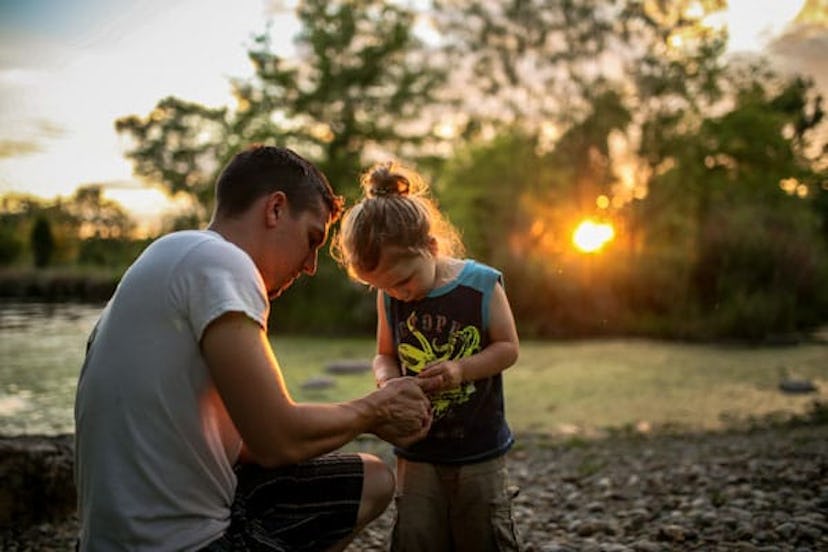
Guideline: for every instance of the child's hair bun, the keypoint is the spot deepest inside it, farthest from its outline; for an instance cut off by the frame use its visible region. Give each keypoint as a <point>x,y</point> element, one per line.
<point>388,184</point>
<point>387,180</point>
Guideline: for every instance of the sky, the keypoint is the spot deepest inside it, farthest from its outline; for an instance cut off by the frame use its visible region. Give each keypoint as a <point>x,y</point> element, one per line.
<point>69,68</point>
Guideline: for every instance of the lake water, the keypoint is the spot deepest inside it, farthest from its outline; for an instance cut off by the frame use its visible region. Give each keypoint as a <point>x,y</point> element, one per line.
<point>41,352</point>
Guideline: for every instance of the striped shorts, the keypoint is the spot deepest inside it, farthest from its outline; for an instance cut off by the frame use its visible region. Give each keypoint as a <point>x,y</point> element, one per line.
<point>305,507</point>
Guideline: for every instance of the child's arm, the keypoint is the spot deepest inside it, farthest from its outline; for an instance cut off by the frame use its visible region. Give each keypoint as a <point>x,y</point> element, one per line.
<point>385,363</point>
<point>501,353</point>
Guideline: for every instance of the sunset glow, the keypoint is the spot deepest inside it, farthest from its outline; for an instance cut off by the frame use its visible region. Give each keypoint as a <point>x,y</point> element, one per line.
<point>591,236</point>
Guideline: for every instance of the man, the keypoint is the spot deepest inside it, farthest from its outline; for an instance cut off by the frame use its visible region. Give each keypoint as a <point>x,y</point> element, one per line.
<point>186,437</point>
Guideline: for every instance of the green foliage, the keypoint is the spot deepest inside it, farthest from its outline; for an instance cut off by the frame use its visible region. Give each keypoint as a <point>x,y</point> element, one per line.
<point>58,284</point>
<point>180,146</point>
<point>97,216</point>
<point>360,81</point>
<point>326,304</point>
<point>533,64</point>
<point>117,253</point>
<point>11,247</point>
<point>481,189</point>
<point>754,249</point>
<point>42,241</point>
<point>718,248</point>
<point>761,271</point>
<point>86,229</point>
<point>69,241</point>
<point>17,214</point>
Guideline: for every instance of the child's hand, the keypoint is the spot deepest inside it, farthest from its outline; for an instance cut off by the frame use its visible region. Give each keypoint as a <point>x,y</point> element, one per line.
<point>441,376</point>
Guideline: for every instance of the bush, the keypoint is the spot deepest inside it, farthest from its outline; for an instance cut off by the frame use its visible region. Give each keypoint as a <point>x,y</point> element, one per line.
<point>328,303</point>
<point>761,272</point>
<point>43,242</point>
<point>11,248</point>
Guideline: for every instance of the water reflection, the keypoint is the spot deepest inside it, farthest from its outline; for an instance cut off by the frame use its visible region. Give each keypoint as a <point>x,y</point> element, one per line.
<point>41,351</point>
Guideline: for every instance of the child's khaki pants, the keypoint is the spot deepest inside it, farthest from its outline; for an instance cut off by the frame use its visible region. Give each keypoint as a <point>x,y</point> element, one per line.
<point>464,508</point>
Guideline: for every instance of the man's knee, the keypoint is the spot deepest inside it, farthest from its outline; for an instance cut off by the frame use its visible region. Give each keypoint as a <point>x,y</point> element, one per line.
<point>377,488</point>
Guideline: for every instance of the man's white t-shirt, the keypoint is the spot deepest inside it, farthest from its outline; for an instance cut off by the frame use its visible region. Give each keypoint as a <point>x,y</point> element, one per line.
<point>155,446</point>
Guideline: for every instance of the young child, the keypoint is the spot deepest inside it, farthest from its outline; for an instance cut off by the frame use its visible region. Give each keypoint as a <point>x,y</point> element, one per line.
<point>448,322</point>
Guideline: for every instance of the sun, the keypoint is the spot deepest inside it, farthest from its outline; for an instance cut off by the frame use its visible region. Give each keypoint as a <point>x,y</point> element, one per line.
<point>591,236</point>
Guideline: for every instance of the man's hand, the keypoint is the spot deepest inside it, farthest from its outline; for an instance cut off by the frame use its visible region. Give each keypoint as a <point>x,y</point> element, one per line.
<point>405,412</point>
<point>441,376</point>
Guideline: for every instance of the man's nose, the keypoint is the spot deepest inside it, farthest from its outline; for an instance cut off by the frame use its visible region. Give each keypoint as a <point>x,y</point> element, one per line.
<point>310,264</point>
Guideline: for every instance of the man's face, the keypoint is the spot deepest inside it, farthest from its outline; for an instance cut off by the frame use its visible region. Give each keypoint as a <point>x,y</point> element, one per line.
<point>296,247</point>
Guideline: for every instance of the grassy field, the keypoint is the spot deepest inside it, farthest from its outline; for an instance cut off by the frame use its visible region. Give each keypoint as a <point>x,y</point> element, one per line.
<point>590,387</point>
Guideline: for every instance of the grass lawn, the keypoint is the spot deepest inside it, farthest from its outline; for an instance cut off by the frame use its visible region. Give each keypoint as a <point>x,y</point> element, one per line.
<point>588,387</point>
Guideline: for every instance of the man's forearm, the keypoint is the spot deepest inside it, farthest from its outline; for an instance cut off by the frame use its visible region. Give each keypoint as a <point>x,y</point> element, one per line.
<point>400,411</point>
<point>311,429</point>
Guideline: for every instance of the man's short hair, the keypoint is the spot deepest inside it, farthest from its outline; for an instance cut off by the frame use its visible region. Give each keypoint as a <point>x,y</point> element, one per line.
<point>259,170</point>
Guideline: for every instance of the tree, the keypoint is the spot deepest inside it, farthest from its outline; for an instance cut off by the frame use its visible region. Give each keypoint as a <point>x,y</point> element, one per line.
<point>538,64</point>
<point>14,209</point>
<point>180,146</point>
<point>736,202</point>
<point>42,242</point>
<point>10,246</point>
<point>359,84</point>
<point>97,216</point>
<point>649,75</point>
<point>357,88</point>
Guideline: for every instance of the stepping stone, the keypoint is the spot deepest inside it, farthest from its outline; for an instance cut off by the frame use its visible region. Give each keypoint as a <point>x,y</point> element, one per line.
<point>797,386</point>
<point>318,383</point>
<point>348,367</point>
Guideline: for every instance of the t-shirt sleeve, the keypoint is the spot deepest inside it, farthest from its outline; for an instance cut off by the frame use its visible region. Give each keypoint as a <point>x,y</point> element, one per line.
<point>485,278</point>
<point>216,278</point>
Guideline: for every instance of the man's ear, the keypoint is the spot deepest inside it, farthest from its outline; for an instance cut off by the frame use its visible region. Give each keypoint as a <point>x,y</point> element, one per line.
<point>275,207</point>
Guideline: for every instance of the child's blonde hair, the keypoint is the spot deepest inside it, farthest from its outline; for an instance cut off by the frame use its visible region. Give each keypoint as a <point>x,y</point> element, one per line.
<point>396,211</point>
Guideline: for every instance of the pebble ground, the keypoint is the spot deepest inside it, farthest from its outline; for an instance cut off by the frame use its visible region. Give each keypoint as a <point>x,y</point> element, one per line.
<point>760,490</point>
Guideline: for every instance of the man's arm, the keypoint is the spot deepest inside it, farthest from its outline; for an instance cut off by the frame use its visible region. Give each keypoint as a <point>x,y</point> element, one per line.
<point>275,429</point>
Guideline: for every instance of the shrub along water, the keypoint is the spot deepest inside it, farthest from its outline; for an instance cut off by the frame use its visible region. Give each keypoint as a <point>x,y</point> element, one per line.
<point>58,284</point>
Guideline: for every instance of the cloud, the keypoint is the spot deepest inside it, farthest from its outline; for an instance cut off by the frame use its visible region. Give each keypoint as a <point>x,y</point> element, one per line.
<point>49,129</point>
<point>18,148</point>
<point>802,39</point>
<point>31,138</point>
<point>802,50</point>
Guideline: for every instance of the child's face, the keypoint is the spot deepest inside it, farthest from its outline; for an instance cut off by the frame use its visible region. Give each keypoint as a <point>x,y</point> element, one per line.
<point>407,277</point>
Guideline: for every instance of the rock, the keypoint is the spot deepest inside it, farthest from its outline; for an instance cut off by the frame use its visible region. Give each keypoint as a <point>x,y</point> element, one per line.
<point>786,530</point>
<point>793,386</point>
<point>38,481</point>
<point>348,367</point>
<point>318,383</point>
<point>674,533</point>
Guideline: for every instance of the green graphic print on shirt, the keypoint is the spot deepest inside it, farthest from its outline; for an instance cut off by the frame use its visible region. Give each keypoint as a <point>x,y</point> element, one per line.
<point>461,343</point>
